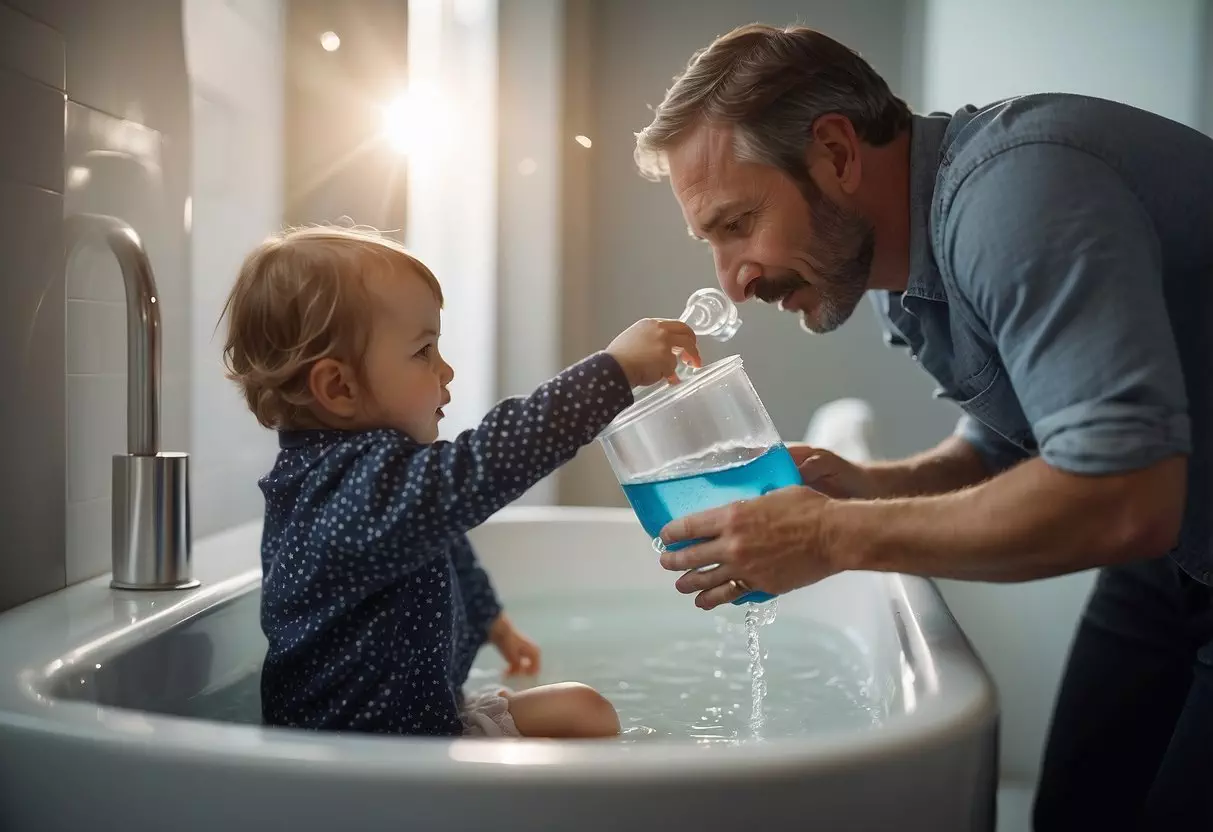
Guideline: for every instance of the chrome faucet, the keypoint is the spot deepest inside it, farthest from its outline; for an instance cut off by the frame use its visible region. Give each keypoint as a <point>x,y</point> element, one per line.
<point>151,538</point>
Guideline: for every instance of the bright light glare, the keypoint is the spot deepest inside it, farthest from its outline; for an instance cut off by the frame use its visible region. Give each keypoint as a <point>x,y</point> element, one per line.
<point>414,121</point>
<point>584,141</point>
<point>330,42</point>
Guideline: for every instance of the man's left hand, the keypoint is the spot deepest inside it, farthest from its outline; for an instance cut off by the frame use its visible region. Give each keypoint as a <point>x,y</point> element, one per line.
<point>774,544</point>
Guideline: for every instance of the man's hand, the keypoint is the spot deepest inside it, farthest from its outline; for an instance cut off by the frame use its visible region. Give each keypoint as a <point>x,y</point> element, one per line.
<point>774,543</point>
<point>520,653</point>
<point>830,474</point>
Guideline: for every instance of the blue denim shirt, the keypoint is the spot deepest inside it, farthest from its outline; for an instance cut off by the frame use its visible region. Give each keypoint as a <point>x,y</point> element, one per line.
<point>1061,270</point>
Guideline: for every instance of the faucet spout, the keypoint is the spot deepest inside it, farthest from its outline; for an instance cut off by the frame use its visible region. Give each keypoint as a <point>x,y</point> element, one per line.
<point>142,325</point>
<point>151,537</point>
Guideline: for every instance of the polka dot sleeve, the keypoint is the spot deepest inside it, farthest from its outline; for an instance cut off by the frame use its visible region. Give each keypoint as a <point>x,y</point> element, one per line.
<point>479,599</point>
<point>406,501</point>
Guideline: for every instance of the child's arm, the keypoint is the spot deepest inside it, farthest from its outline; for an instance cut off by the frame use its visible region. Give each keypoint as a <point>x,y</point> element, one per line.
<point>407,502</point>
<point>479,599</point>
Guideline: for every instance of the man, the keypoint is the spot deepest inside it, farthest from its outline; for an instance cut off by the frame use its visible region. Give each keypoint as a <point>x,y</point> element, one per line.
<point>1048,261</point>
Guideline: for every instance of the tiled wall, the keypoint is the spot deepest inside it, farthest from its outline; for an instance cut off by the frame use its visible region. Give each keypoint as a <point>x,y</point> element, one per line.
<point>126,154</point>
<point>116,167</point>
<point>117,145</point>
<point>32,314</point>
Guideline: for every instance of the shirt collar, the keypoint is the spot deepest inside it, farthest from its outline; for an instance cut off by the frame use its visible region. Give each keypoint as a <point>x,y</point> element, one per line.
<point>926,141</point>
<point>304,438</point>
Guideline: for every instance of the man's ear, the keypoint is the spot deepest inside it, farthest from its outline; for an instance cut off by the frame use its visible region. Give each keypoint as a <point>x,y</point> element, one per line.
<point>334,388</point>
<point>833,157</point>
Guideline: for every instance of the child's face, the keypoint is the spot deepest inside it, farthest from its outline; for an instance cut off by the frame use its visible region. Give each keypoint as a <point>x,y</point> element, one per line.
<point>406,377</point>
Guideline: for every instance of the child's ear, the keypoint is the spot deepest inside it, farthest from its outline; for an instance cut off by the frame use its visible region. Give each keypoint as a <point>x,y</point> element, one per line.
<point>334,388</point>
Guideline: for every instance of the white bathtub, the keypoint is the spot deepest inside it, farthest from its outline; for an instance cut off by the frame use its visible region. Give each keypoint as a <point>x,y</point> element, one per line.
<point>93,685</point>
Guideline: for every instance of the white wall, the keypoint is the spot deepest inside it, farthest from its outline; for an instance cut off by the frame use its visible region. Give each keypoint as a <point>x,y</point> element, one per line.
<point>1149,55</point>
<point>529,205</point>
<point>638,260</point>
<point>235,53</point>
<point>975,52</point>
<point>452,187</point>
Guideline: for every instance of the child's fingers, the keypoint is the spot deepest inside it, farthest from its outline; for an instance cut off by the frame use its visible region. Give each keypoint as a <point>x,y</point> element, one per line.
<point>686,343</point>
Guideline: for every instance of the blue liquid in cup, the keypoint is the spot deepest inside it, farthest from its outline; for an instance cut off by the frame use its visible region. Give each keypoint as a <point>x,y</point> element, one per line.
<point>657,502</point>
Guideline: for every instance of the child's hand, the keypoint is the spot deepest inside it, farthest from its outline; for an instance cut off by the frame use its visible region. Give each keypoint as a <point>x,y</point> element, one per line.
<point>520,653</point>
<point>649,349</point>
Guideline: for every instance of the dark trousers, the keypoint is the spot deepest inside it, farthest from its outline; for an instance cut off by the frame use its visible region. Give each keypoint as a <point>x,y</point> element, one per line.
<point>1131,740</point>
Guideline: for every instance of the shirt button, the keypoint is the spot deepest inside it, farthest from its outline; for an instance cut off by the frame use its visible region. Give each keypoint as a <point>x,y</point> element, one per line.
<point>914,356</point>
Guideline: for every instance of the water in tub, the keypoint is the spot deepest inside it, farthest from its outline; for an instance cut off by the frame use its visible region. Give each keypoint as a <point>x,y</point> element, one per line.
<point>675,672</point>
<point>678,674</point>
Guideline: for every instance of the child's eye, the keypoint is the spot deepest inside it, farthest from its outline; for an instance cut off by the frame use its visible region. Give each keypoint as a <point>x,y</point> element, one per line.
<point>424,352</point>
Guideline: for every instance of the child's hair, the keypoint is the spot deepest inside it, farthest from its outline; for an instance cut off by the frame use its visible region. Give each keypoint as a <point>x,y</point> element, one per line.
<point>300,297</point>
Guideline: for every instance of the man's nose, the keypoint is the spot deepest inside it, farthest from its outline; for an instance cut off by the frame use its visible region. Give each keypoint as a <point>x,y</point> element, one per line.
<point>737,279</point>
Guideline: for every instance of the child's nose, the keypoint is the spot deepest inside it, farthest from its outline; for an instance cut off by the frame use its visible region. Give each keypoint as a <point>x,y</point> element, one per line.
<point>446,373</point>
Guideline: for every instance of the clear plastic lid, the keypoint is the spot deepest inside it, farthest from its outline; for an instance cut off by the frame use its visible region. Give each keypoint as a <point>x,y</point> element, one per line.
<point>713,420</point>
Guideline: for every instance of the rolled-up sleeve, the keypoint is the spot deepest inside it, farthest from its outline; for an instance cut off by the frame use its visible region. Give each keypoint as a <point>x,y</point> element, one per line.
<point>996,452</point>
<point>1057,259</point>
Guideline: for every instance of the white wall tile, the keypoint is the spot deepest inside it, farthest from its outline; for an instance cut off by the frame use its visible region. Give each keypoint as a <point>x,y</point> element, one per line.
<point>96,430</point>
<point>27,154</point>
<point>88,540</point>
<point>97,343</point>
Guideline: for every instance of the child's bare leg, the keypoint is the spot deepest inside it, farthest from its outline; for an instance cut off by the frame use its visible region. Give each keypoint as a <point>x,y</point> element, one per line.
<point>567,710</point>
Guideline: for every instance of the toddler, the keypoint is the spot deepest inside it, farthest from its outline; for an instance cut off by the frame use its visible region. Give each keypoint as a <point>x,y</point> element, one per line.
<point>373,602</point>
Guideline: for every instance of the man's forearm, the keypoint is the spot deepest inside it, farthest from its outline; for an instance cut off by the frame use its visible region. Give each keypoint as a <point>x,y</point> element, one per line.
<point>950,466</point>
<point>1033,521</point>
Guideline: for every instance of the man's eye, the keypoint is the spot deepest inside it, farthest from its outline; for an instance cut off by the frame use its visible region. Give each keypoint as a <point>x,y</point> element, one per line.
<point>736,225</point>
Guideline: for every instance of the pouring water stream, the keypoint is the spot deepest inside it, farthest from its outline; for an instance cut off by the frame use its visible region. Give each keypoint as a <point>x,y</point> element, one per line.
<point>711,314</point>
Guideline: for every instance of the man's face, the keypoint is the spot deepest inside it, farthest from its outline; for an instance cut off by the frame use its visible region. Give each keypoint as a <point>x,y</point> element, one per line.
<point>772,237</point>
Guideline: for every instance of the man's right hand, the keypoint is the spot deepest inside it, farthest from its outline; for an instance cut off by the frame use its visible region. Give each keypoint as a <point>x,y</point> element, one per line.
<point>832,475</point>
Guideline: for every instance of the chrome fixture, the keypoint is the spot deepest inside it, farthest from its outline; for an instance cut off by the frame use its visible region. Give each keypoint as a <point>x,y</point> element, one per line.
<point>150,536</point>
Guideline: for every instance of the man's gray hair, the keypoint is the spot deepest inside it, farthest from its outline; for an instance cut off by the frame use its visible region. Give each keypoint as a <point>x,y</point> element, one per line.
<point>771,85</point>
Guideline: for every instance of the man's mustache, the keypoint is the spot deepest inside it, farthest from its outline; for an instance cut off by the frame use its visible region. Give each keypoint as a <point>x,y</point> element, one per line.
<point>775,289</point>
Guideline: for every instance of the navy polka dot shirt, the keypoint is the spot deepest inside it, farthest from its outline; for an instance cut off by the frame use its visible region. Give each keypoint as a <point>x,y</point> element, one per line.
<point>372,600</point>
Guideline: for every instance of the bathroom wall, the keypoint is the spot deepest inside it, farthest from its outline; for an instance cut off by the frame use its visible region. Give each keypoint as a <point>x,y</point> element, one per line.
<point>531,218</point>
<point>336,164</point>
<point>636,259</point>
<point>235,52</point>
<point>33,314</point>
<point>118,146</point>
<point>977,51</point>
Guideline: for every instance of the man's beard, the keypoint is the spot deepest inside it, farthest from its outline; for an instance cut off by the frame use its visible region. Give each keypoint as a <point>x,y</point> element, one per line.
<point>841,257</point>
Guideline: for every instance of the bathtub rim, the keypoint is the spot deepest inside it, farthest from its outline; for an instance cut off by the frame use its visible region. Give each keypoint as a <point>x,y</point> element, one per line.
<point>24,708</point>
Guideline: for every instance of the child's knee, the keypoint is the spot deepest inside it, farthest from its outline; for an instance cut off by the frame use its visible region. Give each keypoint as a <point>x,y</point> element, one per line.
<point>598,715</point>
<point>567,710</point>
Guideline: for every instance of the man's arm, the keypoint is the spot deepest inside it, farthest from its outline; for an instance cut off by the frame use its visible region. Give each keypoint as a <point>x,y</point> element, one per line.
<point>951,465</point>
<point>1031,522</point>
